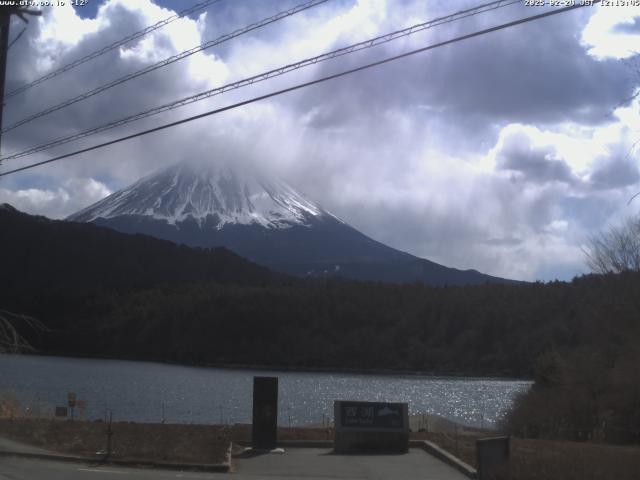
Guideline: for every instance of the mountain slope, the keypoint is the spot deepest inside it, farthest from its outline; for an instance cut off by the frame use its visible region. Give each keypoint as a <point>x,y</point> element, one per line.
<point>37,253</point>
<point>264,220</point>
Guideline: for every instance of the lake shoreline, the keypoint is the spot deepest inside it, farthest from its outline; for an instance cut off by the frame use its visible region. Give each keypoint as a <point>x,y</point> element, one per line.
<point>297,369</point>
<point>148,391</point>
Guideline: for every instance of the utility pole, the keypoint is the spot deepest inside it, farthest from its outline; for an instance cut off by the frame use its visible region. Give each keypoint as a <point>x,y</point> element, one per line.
<point>5,20</point>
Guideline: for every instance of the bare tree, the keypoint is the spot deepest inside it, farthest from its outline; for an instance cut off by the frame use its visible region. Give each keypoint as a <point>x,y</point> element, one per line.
<point>11,341</point>
<point>617,249</point>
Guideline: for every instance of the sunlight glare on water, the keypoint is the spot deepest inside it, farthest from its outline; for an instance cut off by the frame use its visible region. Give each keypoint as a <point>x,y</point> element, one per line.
<point>143,391</point>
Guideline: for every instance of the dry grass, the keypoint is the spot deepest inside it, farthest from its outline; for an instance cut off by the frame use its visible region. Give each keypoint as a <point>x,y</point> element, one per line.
<point>544,459</point>
<point>530,459</point>
<point>141,441</point>
<point>9,405</point>
<point>133,441</point>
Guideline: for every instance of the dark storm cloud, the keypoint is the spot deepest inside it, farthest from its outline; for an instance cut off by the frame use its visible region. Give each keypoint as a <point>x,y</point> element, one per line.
<point>536,163</point>
<point>158,87</point>
<point>535,73</point>
<point>616,172</point>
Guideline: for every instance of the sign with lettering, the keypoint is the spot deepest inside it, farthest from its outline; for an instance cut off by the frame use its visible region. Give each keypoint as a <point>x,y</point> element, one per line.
<point>371,415</point>
<point>72,399</point>
<point>371,427</point>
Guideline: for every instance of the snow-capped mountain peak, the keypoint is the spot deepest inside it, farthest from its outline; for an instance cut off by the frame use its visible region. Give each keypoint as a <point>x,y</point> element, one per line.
<point>261,218</point>
<point>226,193</point>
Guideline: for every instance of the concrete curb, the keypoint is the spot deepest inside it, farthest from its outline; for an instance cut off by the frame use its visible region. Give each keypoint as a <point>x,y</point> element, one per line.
<point>206,467</point>
<point>444,456</point>
<point>298,444</point>
<point>44,456</point>
<point>306,444</point>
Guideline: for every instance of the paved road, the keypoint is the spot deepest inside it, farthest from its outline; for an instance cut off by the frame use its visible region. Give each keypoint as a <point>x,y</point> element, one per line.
<point>304,463</point>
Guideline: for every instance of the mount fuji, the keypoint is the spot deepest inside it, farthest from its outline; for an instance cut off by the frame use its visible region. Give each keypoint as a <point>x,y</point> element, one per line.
<point>263,219</point>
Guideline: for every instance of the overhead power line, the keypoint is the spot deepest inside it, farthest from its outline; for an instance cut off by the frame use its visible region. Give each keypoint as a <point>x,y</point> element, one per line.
<point>108,48</point>
<point>306,84</point>
<point>168,61</point>
<point>265,76</point>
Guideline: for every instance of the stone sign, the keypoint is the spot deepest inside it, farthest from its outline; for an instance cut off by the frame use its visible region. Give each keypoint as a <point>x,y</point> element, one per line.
<point>371,426</point>
<point>264,435</point>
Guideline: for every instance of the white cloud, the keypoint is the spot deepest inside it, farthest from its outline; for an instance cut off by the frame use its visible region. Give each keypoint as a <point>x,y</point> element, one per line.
<point>73,195</point>
<point>60,30</point>
<point>605,34</point>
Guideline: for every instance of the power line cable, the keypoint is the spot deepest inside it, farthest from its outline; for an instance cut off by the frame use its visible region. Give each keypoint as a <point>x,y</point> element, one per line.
<point>265,76</point>
<point>306,84</point>
<point>108,48</point>
<point>168,61</point>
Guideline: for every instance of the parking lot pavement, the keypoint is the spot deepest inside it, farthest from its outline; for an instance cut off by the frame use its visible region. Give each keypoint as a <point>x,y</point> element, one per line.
<point>321,464</point>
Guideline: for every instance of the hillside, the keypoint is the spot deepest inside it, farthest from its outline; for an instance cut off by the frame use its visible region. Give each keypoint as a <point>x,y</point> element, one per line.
<point>37,254</point>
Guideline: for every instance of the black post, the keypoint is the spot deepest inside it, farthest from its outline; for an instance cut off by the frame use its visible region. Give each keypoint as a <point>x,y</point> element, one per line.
<point>109,435</point>
<point>265,413</point>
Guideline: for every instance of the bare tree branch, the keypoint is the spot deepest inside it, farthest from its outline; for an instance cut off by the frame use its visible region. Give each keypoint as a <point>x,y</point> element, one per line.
<point>11,341</point>
<point>616,250</point>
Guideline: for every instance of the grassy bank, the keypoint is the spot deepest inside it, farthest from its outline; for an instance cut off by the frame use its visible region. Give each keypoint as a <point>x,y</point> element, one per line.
<point>130,441</point>
<point>545,459</point>
<point>530,459</point>
<point>177,443</point>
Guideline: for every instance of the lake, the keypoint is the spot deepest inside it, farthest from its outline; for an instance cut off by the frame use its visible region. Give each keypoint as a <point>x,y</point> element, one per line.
<point>149,392</point>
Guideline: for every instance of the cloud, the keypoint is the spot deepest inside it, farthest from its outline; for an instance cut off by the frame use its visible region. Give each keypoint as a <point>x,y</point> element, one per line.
<point>631,26</point>
<point>73,195</point>
<point>499,153</point>
<point>615,173</point>
<point>537,163</point>
<point>612,32</point>
<point>537,73</point>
